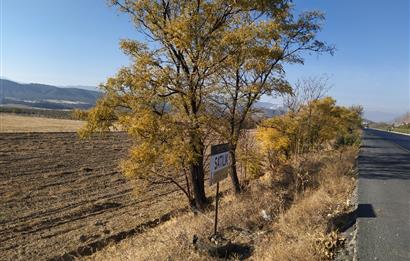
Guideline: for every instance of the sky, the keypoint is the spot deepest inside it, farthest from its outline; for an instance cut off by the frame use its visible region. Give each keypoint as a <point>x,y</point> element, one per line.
<point>75,43</point>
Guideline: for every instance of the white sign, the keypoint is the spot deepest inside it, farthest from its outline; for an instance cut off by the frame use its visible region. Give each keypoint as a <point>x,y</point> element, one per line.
<point>220,162</point>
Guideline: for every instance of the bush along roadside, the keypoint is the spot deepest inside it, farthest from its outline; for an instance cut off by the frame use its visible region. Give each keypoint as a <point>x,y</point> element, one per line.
<point>298,172</point>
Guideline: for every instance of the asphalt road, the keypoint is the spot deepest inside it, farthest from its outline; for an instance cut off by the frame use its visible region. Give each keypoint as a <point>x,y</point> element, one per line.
<point>383,214</point>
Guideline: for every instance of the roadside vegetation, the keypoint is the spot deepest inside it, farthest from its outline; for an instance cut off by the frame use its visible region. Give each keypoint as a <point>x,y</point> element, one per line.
<point>405,128</point>
<point>401,124</point>
<point>194,82</point>
<point>194,85</point>
<point>290,199</point>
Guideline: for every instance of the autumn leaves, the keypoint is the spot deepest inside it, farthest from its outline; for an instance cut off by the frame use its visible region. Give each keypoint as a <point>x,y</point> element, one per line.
<point>194,80</point>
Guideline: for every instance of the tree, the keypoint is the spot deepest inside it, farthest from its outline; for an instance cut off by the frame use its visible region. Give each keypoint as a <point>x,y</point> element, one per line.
<point>306,90</point>
<point>260,46</point>
<point>304,93</point>
<point>160,98</point>
<point>164,98</point>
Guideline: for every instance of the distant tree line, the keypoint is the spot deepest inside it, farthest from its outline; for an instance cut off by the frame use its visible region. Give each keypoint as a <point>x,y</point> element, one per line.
<point>57,114</point>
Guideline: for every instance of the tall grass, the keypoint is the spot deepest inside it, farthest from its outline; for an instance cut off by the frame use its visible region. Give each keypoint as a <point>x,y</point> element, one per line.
<point>275,220</point>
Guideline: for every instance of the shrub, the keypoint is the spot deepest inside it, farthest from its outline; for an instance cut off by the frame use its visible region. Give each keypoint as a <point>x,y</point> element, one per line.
<point>318,125</point>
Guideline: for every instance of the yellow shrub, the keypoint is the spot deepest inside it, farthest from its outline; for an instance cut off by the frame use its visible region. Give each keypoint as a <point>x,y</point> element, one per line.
<point>315,126</point>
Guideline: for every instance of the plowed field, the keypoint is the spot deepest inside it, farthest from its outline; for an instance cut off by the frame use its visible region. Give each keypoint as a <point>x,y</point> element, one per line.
<point>61,196</point>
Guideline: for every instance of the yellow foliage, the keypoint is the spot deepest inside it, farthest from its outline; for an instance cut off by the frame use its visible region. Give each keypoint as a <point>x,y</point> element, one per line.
<point>164,98</point>
<point>315,125</point>
<point>272,139</point>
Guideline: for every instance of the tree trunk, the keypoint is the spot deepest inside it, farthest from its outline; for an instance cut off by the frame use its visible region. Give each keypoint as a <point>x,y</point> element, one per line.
<point>197,172</point>
<point>197,177</point>
<point>233,173</point>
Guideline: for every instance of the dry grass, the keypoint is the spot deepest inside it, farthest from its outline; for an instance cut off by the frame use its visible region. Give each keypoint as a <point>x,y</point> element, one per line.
<point>16,123</point>
<point>303,231</point>
<point>268,217</point>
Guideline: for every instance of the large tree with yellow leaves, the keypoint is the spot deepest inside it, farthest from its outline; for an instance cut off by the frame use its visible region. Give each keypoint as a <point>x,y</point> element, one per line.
<point>165,100</point>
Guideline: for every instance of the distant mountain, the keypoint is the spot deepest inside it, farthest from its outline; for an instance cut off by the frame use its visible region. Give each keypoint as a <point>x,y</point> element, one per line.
<point>267,105</point>
<point>85,87</point>
<point>270,109</point>
<point>35,95</point>
<point>404,119</point>
<point>45,96</point>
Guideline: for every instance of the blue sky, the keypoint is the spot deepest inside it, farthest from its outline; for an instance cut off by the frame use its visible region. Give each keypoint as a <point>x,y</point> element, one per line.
<point>75,42</point>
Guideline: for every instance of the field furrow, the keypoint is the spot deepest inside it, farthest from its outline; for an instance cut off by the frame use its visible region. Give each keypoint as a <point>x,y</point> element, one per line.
<point>60,193</point>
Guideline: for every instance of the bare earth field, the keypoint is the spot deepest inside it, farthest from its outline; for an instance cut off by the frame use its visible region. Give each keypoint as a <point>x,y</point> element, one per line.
<point>16,123</point>
<point>61,195</point>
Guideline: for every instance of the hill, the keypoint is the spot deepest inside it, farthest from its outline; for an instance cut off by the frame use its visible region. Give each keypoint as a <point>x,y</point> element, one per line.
<point>35,95</point>
<point>404,119</point>
<point>45,96</point>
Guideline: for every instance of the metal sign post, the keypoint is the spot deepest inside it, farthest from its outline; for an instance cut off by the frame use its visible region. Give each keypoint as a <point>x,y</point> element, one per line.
<point>220,162</point>
<point>216,208</point>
